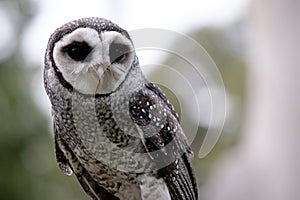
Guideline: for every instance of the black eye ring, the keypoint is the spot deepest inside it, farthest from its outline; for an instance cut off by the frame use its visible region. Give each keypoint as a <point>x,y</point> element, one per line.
<point>118,53</point>
<point>78,50</point>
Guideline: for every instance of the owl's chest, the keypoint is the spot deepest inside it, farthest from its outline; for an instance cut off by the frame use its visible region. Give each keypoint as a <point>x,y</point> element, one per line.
<point>102,130</point>
<point>100,120</point>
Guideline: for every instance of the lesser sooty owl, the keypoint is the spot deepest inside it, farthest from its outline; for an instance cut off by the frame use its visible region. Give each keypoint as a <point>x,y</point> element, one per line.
<point>115,130</point>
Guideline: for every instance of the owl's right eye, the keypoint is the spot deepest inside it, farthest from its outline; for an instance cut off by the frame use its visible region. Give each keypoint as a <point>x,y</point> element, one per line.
<point>78,50</point>
<point>118,53</point>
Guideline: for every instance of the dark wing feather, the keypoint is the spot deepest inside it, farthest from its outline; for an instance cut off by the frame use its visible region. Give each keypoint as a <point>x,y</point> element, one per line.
<point>161,95</point>
<point>164,141</point>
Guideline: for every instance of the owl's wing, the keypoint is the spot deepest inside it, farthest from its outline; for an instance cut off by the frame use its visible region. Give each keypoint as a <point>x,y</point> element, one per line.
<point>164,141</point>
<point>72,164</point>
<point>61,159</point>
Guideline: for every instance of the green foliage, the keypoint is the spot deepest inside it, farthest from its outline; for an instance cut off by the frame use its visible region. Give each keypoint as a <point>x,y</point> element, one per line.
<point>226,47</point>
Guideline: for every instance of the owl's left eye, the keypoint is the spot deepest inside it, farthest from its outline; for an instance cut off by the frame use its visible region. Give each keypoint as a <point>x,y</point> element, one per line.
<point>78,50</point>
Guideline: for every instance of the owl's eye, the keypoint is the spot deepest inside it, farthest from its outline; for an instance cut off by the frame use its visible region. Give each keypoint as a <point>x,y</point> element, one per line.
<point>118,53</point>
<point>78,50</point>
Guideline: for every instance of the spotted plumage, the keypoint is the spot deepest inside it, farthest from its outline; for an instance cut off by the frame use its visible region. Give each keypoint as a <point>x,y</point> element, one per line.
<point>113,128</point>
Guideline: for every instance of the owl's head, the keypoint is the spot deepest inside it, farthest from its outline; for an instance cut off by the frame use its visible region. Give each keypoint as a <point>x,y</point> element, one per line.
<point>91,55</point>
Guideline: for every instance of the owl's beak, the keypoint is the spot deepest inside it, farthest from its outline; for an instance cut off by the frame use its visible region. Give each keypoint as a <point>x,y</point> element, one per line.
<point>100,69</point>
<point>99,73</point>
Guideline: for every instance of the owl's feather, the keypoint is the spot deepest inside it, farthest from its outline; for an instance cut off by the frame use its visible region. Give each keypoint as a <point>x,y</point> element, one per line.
<point>164,140</point>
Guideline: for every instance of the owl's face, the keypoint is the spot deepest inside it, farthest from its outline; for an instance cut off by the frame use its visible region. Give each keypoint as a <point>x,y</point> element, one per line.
<point>93,61</point>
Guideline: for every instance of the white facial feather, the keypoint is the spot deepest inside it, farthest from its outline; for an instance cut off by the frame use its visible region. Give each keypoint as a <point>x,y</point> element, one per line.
<point>95,74</point>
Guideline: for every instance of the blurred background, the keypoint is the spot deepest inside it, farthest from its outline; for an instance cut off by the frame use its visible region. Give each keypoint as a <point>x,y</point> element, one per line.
<point>255,46</point>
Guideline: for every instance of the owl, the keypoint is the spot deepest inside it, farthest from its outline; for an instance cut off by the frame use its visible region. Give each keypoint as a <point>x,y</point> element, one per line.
<point>115,130</point>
